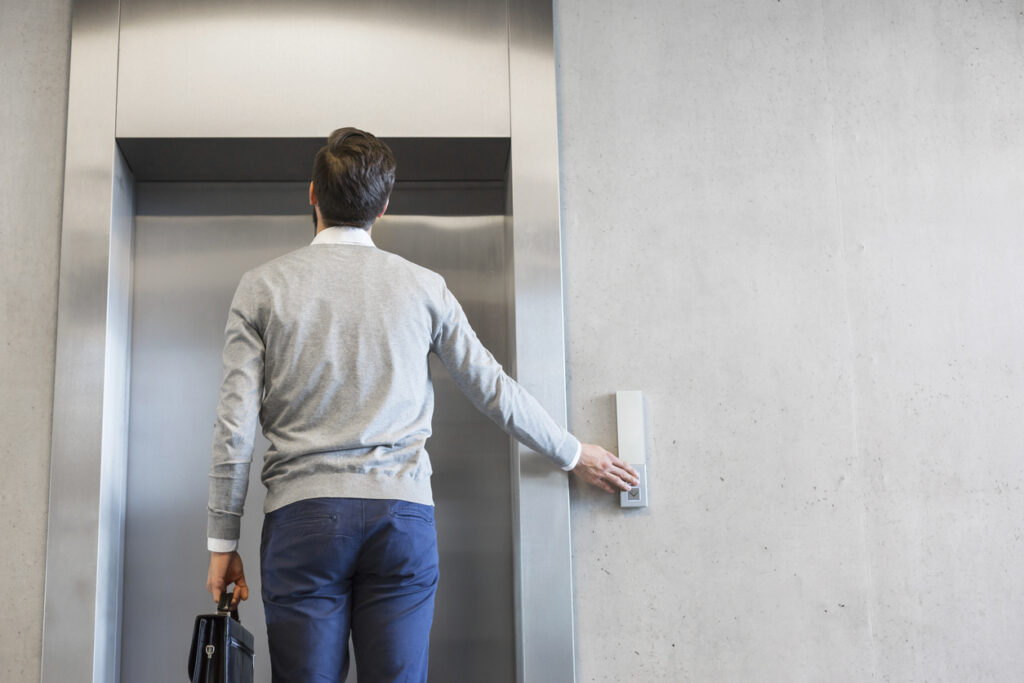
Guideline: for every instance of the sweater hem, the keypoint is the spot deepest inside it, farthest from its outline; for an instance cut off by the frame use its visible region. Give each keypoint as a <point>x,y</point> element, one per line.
<point>349,485</point>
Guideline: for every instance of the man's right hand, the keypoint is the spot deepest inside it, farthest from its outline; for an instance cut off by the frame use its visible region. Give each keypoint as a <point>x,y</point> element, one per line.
<point>602,469</point>
<point>226,569</point>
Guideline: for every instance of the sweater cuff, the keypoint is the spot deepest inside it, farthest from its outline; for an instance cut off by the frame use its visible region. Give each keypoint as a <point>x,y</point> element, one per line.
<point>575,459</point>
<point>222,524</point>
<point>221,545</point>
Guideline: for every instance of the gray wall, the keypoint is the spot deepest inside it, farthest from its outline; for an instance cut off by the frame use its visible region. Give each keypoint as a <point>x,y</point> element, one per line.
<point>796,227</point>
<point>799,228</point>
<point>34,45</point>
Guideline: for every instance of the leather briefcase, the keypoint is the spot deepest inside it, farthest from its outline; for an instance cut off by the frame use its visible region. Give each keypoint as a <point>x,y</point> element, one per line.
<point>222,649</point>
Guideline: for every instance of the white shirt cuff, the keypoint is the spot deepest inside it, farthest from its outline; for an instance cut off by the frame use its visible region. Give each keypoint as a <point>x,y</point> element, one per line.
<point>221,545</point>
<point>575,459</point>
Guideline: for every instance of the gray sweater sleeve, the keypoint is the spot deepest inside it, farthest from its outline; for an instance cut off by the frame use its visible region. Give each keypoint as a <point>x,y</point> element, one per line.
<point>234,433</point>
<point>480,377</point>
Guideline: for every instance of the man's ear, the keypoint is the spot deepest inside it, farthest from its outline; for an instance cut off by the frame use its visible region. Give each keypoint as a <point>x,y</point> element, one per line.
<point>381,211</point>
<point>312,195</point>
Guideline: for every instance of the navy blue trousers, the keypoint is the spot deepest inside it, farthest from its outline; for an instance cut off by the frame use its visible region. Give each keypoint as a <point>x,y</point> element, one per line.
<point>331,565</point>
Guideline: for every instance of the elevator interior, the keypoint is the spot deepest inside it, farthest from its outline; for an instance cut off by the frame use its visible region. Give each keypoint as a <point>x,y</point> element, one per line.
<point>191,131</point>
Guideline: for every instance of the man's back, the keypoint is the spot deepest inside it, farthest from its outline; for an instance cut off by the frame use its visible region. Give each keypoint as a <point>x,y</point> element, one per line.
<point>330,344</point>
<point>347,330</point>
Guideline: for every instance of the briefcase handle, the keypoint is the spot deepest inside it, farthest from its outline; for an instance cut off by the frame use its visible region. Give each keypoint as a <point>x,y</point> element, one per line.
<point>224,606</point>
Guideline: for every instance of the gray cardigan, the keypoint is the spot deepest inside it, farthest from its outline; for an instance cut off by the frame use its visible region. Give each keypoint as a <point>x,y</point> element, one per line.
<point>327,346</point>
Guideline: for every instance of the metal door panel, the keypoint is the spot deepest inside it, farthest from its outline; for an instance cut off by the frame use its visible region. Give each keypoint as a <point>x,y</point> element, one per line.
<point>186,269</point>
<point>222,68</point>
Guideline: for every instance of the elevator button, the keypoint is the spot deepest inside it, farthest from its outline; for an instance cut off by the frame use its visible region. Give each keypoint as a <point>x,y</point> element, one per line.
<point>636,497</point>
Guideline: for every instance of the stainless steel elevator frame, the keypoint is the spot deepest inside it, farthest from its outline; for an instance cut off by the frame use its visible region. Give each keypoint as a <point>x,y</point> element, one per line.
<point>87,476</point>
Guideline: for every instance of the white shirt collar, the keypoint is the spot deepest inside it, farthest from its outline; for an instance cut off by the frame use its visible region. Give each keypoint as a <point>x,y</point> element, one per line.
<point>343,235</point>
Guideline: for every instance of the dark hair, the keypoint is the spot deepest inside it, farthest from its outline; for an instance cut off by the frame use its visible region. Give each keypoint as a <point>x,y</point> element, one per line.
<point>353,176</point>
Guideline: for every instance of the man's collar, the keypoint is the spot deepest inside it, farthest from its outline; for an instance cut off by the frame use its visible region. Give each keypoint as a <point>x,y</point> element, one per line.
<point>343,235</point>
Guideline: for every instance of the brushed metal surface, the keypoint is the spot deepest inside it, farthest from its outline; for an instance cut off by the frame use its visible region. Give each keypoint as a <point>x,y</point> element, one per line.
<point>187,268</point>
<point>266,68</point>
<point>82,506</point>
<point>546,646</point>
<point>473,638</point>
<point>114,448</point>
<point>630,426</point>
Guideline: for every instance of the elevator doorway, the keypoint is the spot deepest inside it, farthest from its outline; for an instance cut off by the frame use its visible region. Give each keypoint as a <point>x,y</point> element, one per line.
<point>193,241</point>
<point>185,94</point>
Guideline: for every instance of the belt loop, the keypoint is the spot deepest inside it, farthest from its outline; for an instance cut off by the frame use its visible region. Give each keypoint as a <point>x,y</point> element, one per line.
<point>362,517</point>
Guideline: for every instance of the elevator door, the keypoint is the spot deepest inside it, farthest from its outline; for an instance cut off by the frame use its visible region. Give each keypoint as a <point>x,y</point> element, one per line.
<point>189,255</point>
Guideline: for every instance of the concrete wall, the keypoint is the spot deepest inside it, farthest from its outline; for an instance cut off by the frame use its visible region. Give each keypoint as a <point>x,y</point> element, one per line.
<point>798,227</point>
<point>34,46</point>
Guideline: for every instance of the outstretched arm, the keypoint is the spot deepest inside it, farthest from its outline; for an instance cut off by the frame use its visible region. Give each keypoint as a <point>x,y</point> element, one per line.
<point>480,377</point>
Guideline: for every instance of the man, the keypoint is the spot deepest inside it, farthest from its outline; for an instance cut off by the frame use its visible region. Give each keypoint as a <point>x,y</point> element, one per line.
<point>327,346</point>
